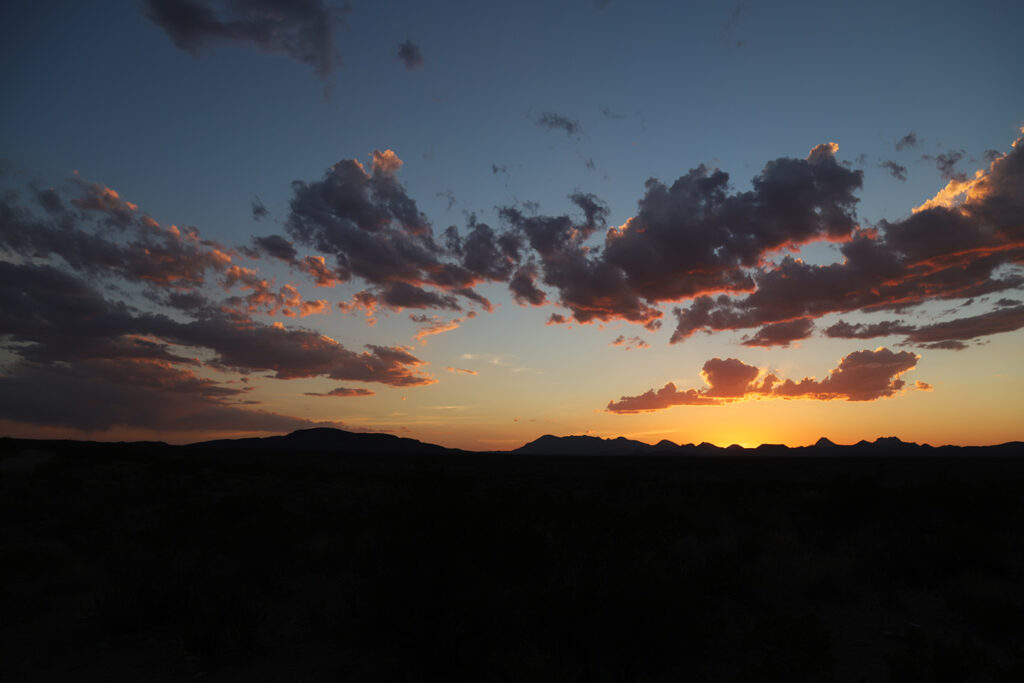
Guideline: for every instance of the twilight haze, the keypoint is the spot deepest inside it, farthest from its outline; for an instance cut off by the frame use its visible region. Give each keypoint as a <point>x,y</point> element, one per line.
<point>475,223</point>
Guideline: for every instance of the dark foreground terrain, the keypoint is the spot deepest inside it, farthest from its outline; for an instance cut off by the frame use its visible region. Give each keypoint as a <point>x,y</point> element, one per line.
<point>221,563</point>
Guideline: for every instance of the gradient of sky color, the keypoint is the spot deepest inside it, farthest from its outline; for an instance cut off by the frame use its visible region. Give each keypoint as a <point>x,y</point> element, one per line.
<point>122,120</point>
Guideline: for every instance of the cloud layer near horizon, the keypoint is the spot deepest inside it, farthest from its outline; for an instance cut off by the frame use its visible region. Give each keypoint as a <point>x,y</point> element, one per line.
<point>860,376</point>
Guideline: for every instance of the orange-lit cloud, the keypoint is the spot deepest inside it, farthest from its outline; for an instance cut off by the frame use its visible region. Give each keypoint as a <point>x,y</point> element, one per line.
<point>461,370</point>
<point>860,376</point>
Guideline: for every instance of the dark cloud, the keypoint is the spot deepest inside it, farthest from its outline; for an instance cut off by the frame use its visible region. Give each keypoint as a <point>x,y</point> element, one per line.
<point>409,54</point>
<point>782,334</point>
<point>69,278</point>
<point>963,243</point>
<point>946,164</point>
<point>524,288</point>
<point>860,376</point>
<point>845,330</point>
<point>302,30</point>
<point>99,394</point>
<point>1009,302</point>
<point>276,246</point>
<point>259,211</point>
<point>897,171</point>
<point>1000,320</point>
<point>343,392</point>
<point>908,141</point>
<point>374,231</point>
<point>554,121</point>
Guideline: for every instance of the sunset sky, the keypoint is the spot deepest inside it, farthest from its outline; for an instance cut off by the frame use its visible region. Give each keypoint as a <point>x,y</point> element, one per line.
<point>476,223</point>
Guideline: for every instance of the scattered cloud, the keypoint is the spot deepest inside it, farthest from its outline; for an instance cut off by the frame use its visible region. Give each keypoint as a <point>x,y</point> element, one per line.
<point>946,164</point>
<point>259,211</point>
<point>908,141</point>
<point>554,121</point>
<point>409,54</point>
<point>303,31</point>
<point>461,370</point>
<point>897,171</point>
<point>630,343</point>
<point>343,392</point>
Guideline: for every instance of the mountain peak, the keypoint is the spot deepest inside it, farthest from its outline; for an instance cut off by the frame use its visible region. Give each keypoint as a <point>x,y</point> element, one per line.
<point>824,443</point>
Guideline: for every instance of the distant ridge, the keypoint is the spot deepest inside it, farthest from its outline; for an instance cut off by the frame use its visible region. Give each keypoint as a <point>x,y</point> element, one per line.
<point>326,439</point>
<point>585,445</point>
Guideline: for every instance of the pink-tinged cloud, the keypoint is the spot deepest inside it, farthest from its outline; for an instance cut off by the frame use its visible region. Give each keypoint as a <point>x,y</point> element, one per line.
<point>630,343</point>
<point>432,324</point>
<point>860,376</point>
<point>386,162</point>
<point>463,371</point>
<point>316,268</point>
<point>343,392</point>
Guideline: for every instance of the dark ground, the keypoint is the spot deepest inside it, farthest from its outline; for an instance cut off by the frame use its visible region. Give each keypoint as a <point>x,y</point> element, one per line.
<point>158,563</point>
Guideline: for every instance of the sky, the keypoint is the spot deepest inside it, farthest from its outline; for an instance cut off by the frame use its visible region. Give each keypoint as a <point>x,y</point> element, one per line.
<point>477,223</point>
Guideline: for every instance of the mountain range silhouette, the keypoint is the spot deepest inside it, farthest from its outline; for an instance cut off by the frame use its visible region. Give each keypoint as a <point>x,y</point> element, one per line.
<point>326,439</point>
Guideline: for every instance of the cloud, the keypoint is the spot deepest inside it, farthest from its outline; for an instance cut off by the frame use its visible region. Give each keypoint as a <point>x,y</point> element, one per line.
<point>923,386</point>
<point>689,238</point>
<point>461,370</point>
<point>994,322</point>
<point>897,171</point>
<point>782,334</point>
<point>860,376</point>
<point>98,394</point>
<point>630,343</point>
<point>259,211</point>
<point>432,324</point>
<point>965,242</point>
<point>941,335</point>
<point>946,164</point>
<point>303,31</point>
<point>845,330</point>
<point>409,54</point>
<point>343,392</point>
<point>554,121</point>
<point>374,231</point>
<point>277,247</point>
<point>908,141</point>
<point>120,316</point>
